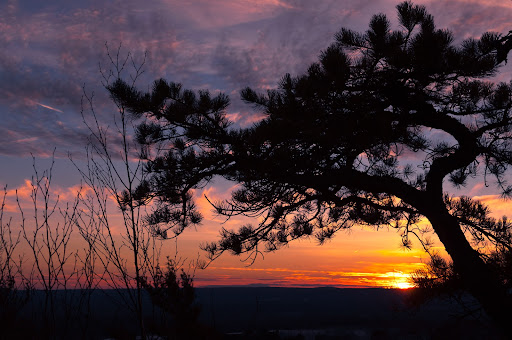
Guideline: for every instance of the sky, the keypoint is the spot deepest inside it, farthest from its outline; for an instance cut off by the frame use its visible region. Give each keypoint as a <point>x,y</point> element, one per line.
<point>53,51</point>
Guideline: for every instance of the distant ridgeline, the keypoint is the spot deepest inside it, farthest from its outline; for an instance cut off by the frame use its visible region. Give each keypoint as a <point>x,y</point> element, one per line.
<point>242,310</point>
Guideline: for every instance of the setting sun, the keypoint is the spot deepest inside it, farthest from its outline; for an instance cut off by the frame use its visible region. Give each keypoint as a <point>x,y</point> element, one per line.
<point>403,285</point>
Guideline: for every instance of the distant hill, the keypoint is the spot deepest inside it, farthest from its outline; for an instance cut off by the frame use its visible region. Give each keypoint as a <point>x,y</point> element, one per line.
<point>240,308</point>
<point>311,313</point>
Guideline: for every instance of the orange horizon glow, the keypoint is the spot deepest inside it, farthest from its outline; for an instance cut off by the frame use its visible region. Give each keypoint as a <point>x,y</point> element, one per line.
<point>307,279</point>
<point>360,257</point>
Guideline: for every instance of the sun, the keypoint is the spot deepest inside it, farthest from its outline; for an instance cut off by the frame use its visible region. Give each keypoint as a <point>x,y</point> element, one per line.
<point>403,285</point>
<point>397,280</point>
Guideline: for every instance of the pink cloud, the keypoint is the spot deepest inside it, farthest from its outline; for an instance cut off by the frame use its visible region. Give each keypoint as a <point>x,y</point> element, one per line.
<point>49,107</point>
<point>493,3</point>
<point>208,14</point>
<point>499,206</point>
<point>214,194</point>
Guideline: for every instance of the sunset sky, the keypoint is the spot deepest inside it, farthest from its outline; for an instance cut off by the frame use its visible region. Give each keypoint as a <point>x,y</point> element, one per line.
<point>53,49</point>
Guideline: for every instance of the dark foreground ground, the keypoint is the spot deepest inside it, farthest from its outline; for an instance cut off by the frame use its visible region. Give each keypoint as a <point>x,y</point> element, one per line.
<point>261,313</point>
<point>332,313</point>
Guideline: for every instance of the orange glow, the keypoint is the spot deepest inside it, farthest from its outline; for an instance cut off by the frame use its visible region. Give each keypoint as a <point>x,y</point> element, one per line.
<point>499,207</point>
<point>360,257</point>
<point>284,277</point>
<point>403,285</point>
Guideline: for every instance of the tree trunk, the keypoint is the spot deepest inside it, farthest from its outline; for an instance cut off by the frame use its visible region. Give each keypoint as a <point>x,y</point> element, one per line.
<point>480,280</point>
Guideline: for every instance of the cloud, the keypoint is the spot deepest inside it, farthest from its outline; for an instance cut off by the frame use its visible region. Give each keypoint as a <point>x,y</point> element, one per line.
<point>499,207</point>
<point>379,276</point>
<point>471,18</point>
<point>58,52</point>
<point>23,195</point>
<point>49,107</point>
<point>225,46</point>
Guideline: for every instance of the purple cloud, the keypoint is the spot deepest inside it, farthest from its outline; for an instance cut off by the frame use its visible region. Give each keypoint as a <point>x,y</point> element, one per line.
<point>52,48</point>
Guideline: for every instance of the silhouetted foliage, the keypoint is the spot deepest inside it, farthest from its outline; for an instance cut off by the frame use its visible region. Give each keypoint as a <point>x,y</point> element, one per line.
<point>365,137</point>
<point>13,295</point>
<point>439,279</point>
<point>12,299</point>
<point>173,291</point>
<point>109,173</point>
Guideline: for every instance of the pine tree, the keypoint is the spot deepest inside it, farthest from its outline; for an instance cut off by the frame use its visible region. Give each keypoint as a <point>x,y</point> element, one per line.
<point>350,142</point>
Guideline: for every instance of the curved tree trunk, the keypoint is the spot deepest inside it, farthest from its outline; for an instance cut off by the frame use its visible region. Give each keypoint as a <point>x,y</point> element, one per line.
<point>480,280</point>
